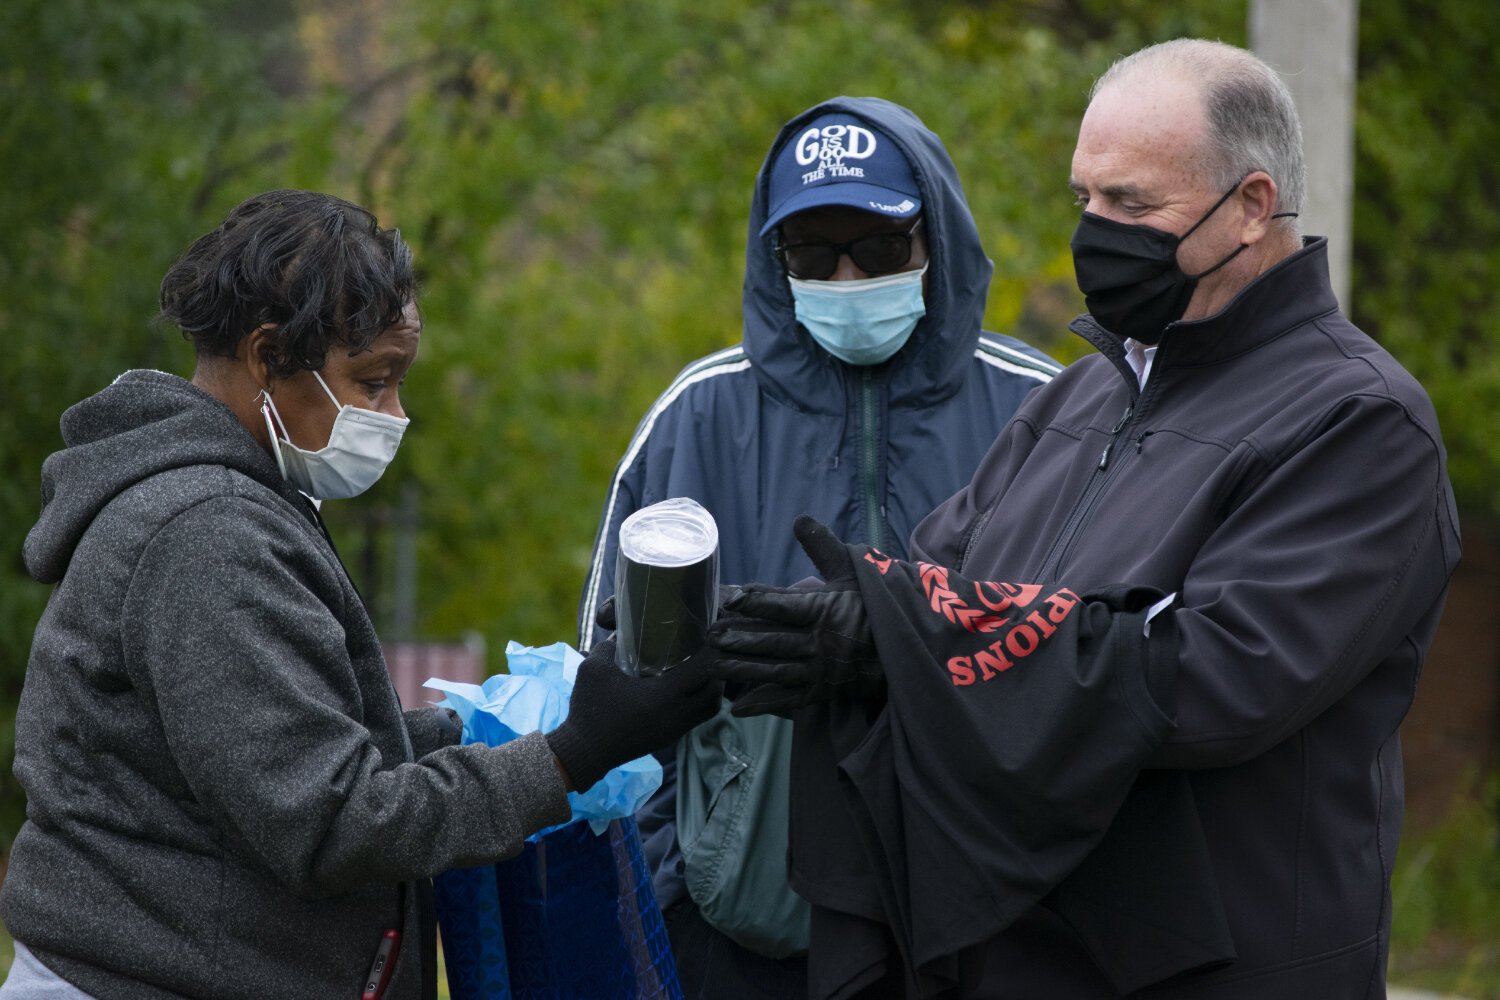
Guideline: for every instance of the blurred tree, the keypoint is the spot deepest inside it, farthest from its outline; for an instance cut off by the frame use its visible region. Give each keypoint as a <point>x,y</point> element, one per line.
<point>1426,273</point>
<point>577,176</point>
<point>122,126</point>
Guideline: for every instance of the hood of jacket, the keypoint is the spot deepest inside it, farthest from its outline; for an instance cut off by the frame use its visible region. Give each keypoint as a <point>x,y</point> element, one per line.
<point>789,364</point>
<point>144,423</point>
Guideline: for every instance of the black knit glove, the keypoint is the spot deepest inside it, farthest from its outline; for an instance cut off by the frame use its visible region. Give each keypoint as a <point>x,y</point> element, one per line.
<point>614,718</point>
<point>787,647</point>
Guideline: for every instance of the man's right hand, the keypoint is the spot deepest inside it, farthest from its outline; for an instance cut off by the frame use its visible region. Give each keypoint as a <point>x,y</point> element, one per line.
<point>787,647</point>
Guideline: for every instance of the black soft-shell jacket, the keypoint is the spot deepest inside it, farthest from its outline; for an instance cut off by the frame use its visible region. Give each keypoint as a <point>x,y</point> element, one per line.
<point>1285,478</point>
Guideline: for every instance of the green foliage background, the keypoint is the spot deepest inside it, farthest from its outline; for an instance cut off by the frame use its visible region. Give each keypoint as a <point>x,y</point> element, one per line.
<point>575,178</point>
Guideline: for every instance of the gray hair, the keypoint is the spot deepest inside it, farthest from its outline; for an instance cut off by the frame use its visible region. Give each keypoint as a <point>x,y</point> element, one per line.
<point>1252,121</point>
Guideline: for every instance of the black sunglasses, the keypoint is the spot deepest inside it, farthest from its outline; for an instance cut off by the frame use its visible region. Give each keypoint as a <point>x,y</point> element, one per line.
<point>881,253</point>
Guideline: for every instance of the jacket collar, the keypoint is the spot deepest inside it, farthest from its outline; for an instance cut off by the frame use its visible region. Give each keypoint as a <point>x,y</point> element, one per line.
<point>1293,292</point>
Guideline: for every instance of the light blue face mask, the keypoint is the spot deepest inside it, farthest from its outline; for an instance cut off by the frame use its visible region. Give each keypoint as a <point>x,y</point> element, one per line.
<point>862,322</point>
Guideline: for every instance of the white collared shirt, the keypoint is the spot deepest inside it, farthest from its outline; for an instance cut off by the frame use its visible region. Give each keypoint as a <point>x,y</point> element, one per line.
<point>1140,357</point>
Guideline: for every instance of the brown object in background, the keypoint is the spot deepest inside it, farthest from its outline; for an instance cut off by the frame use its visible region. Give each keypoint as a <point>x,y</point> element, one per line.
<point>1452,733</point>
<point>410,664</point>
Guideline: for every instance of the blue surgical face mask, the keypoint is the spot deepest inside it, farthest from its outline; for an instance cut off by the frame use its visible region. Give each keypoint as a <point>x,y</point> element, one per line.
<point>861,322</point>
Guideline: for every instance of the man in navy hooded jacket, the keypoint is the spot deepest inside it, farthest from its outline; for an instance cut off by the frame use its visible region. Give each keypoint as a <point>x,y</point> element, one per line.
<point>1124,723</point>
<point>865,393</point>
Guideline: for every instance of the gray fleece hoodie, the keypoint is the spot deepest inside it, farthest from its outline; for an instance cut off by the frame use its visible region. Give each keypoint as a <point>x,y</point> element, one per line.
<point>223,796</point>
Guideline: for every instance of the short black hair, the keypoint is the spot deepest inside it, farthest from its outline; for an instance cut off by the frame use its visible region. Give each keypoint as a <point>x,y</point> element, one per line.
<point>318,267</point>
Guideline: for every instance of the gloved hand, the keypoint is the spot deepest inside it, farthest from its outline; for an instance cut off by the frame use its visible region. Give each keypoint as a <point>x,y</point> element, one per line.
<point>614,718</point>
<point>792,647</point>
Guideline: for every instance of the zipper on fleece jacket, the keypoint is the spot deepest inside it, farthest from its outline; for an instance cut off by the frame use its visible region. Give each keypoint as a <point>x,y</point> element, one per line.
<point>1103,473</point>
<point>869,449</point>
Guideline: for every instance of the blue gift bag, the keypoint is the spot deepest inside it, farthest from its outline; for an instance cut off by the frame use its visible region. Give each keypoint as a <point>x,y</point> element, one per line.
<point>468,911</point>
<point>573,916</point>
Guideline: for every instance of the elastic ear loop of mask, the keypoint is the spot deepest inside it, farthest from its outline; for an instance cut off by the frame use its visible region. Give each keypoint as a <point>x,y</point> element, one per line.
<point>332,398</point>
<point>267,411</point>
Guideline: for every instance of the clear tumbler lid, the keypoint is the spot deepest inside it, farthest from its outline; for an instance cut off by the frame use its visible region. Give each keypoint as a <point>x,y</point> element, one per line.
<point>675,532</point>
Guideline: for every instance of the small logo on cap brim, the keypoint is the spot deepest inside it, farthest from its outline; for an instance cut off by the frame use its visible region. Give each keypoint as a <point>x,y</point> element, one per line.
<point>901,209</point>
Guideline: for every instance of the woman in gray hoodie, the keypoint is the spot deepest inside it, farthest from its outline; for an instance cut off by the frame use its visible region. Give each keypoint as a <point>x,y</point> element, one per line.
<point>224,796</point>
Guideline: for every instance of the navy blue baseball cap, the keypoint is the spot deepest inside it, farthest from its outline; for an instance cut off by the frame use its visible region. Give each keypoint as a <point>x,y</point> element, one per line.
<point>838,159</point>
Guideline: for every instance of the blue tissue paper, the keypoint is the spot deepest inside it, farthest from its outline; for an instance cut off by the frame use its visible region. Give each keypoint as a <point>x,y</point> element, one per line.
<point>534,697</point>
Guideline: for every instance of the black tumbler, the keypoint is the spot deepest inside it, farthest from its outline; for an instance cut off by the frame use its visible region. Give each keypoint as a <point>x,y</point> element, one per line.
<point>666,585</point>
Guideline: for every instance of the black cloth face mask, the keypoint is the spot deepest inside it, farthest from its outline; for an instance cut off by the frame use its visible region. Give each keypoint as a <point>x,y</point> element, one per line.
<point>1129,275</point>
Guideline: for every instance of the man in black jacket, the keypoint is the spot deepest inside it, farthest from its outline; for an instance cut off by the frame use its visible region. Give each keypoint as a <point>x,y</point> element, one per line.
<point>1125,725</point>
